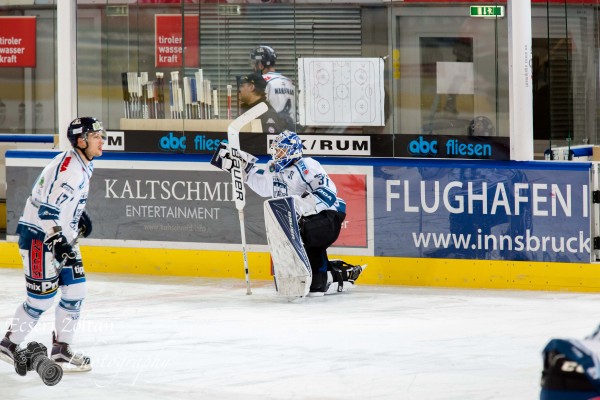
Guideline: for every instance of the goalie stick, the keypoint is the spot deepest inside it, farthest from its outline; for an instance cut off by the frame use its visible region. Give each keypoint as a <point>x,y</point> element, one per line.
<point>237,177</point>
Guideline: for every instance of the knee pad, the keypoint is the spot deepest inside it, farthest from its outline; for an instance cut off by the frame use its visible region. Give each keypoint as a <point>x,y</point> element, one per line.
<point>76,291</point>
<point>72,296</point>
<point>35,307</point>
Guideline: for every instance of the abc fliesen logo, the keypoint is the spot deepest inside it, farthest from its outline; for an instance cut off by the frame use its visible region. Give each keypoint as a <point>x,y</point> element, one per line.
<point>422,147</point>
<point>171,142</point>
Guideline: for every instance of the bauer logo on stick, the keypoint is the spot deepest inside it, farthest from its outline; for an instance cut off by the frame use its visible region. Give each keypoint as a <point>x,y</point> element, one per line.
<point>236,172</point>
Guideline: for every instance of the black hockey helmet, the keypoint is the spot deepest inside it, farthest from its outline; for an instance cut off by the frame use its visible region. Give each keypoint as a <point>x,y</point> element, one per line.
<point>82,127</point>
<point>265,55</point>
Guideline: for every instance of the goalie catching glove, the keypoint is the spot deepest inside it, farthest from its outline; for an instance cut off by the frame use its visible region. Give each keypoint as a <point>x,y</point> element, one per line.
<point>223,159</point>
<point>60,247</point>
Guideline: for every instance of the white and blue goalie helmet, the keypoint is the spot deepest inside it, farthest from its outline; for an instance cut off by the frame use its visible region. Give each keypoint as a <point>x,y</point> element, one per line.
<point>285,149</point>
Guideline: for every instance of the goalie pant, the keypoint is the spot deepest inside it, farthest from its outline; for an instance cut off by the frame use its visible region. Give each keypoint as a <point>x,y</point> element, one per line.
<point>319,227</point>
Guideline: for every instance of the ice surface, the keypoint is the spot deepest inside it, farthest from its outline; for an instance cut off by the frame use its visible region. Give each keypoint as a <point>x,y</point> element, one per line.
<point>183,338</point>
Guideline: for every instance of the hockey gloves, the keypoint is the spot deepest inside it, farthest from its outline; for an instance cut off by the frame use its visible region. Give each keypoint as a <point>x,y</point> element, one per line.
<point>60,247</point>
<point>85,224</point>
<point>222,159</point>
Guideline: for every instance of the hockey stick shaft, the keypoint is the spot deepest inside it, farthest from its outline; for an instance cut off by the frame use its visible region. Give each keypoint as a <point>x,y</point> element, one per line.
<point>237,174</point>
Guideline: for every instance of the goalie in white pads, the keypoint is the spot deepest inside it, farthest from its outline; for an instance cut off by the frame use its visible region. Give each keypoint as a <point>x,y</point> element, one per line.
<point>320,211</point>
<point>53,217</point>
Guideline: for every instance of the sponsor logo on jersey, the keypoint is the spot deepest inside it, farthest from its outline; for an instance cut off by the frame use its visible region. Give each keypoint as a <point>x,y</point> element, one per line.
<point>303,168</point>
<point>40,287</point>
<point>67,187</point>
<point>49,286</point>
<point>65,164</point>
<point>34,287</point>
<point>36,258</point>
<point>78,271</point>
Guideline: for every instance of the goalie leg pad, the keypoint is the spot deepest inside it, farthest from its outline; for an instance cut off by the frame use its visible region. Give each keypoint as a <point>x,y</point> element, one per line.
<point>290,261</point>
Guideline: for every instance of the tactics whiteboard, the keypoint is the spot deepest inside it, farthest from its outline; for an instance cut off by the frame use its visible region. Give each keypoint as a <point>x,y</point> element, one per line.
<point>341,91</point>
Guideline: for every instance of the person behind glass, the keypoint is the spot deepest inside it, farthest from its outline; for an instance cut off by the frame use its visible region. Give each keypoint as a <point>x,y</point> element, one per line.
<point>53,217</point>
<point>252,92</point>
<point>280,90</point>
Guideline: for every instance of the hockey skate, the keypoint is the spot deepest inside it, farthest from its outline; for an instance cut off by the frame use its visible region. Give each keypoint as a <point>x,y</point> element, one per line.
<point>354,272</point>
<point>343,276</point>
<point>8,350</point>
<point>63,355</point>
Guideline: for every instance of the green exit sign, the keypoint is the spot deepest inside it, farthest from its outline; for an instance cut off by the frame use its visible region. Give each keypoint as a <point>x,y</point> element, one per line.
<point>487,11</point>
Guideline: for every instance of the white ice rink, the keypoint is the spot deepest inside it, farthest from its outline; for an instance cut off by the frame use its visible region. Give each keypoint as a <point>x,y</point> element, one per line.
<point>181,338</point>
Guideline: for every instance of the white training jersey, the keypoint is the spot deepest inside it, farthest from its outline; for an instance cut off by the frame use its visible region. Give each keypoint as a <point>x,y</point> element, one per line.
<point>305,176</point>
<point>281,93</point>
<point>59,195</point>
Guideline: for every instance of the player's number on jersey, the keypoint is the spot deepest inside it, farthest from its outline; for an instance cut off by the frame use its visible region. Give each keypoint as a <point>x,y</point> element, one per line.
<point>323,180</point>
<point>62,198</point>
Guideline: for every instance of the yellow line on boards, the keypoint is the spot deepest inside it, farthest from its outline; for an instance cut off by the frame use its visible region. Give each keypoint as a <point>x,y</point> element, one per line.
<point>475,274</point>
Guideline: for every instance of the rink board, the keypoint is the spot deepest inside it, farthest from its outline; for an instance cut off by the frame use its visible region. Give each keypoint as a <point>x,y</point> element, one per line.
<point>381,270</point>
<point>404,220</point>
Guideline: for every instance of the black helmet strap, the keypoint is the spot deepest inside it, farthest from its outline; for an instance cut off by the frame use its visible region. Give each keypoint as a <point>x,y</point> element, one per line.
<point>83,150</point>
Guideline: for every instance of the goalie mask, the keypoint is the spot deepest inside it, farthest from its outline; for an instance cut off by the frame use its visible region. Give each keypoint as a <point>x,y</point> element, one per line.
<point>82,127</point>
<point>263,54</point>
<point>285,149</point>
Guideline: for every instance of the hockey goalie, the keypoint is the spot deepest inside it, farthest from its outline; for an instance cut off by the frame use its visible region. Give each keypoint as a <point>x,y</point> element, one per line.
<point>303,218</point>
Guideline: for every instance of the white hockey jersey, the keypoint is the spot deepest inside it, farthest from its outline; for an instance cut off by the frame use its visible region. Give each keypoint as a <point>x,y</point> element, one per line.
<point>59,195</point>
<point>305,176</point>
<point>281,93</point>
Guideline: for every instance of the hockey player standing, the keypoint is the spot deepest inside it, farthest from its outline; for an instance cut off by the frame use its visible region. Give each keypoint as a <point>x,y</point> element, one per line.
<point>53,217</point>
<point>252,92</point>
<point>315,198</point>
<point>280,90</point>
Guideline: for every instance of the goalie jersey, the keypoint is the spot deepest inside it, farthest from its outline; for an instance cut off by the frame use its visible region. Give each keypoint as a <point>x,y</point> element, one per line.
<point>58,196</point>
<point>305,176</point>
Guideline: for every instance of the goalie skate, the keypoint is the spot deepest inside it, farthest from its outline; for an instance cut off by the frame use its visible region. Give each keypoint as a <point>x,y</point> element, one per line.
<point>70,361</point>
<point>347,278</point>
<point>293,274</point>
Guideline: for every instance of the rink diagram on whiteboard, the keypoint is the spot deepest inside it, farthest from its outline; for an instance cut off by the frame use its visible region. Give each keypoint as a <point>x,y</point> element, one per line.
<point>341,91</point>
